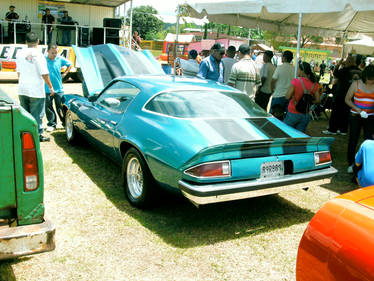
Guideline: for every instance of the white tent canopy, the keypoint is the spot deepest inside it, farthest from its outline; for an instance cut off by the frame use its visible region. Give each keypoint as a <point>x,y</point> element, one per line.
<point>364,46</point>
<point>320,17</point>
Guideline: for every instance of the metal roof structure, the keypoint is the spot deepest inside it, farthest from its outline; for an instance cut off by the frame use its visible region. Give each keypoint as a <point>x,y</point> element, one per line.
<point>105,3</point>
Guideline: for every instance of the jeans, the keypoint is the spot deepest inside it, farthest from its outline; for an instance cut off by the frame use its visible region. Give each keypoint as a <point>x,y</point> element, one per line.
<point>66,37</point>
<point>282,101</point>
<point>297,121</point>
<point>355,125</point>
<point>262,99</point>
<point>50,111</point>
<point>36,107</point>
<point>49,36</point>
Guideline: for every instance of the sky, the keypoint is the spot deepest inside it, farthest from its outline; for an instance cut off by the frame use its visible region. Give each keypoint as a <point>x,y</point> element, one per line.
<point>162,6</point>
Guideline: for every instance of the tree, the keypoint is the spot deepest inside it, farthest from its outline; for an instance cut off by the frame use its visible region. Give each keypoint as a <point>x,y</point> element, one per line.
<point>305,39</point>
<point>144,21</point>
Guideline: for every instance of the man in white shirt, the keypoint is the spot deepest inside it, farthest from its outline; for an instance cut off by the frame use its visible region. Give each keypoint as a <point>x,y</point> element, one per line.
<point>264,92</point>
<point>244,75</point>
<point>228,62</point>
<point>281,82</point>
<point>32,73</point>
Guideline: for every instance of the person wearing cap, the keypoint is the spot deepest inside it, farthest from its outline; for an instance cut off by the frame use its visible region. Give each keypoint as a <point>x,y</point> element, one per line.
<point>212,66</point>
<point>32,73</point>
<point>228,62</point>
<point>66,31</point>
<point>244,75</point>
<point>264,91</point>
<point>48,20</point>
<point>11,16</point>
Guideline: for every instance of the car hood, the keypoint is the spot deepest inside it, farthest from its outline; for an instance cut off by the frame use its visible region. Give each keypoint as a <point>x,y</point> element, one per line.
<point>102,63</point>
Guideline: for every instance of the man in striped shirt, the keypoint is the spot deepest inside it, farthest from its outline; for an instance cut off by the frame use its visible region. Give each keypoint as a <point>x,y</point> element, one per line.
<point>244,75</point>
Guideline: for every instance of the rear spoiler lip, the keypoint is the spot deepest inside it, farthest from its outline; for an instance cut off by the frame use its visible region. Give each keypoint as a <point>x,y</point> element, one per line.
<point>279,141</point>
<point>258,144</point>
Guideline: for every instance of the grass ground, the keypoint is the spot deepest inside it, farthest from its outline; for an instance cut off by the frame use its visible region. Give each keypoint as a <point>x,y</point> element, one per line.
<point>100,236</point>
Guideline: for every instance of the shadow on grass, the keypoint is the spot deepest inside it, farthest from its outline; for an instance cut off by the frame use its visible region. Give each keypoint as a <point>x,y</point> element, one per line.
<point>175,219</point>
<point>342,181</point>
<point>6,271</point>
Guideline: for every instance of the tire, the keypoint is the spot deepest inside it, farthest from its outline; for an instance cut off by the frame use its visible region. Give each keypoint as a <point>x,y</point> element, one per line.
<point>70,131</point>
<point>138,182</point>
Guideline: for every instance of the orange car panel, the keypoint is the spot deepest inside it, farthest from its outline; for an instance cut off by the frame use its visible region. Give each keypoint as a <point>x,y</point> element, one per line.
<point>338,243</point>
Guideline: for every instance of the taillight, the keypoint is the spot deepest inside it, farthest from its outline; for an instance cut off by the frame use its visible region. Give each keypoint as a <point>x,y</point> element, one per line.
<point>323,157</point>
<point>210,170</point>
<point>30,163</point>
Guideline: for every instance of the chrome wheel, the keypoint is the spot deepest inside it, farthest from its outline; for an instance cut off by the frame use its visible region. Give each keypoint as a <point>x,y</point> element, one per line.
<point>134,176</point>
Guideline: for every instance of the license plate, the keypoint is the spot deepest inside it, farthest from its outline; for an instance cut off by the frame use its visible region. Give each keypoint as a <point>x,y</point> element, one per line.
<point>272,169</point>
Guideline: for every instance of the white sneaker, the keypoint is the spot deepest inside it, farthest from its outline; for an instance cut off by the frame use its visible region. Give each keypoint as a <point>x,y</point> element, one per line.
<point>50,129</point>
<point>341,133</point>
<point>350,169</point>
<point>327,132</point>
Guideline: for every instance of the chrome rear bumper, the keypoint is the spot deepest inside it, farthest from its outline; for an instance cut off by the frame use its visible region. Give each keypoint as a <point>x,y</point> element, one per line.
<point>220,192</point>
<point>26,240</point>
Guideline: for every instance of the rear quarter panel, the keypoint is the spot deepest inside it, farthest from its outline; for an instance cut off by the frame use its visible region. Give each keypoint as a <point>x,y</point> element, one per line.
<point>30,207</point>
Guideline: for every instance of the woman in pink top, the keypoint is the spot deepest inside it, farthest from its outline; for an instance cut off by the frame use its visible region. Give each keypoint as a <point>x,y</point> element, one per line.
<point>294,118</point>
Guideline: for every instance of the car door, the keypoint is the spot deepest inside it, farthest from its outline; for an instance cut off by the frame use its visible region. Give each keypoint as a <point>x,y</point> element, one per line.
<point>107,112</point>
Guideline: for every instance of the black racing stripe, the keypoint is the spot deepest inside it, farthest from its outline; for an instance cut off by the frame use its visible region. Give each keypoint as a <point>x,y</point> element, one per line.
<point>109,64</point>
<point>268,128</point>
<point>250,150</point>
<point>230,130</point>
<point>292,146</point>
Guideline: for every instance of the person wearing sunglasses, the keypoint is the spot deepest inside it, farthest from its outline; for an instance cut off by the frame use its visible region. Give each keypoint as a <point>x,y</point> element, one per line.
<point>212,66</point>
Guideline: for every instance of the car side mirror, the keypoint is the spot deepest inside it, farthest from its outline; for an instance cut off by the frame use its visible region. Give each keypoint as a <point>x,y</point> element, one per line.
<point>93,97</point>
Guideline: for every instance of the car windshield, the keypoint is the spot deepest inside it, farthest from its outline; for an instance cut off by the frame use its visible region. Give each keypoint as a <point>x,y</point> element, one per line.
<point>205,104</point>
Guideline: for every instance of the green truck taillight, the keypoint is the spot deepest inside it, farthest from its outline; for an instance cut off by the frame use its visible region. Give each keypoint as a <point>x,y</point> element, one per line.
<point>30,163</point>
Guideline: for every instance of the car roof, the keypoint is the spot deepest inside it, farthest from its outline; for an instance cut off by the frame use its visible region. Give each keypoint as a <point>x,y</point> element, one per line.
<point>152,84</point>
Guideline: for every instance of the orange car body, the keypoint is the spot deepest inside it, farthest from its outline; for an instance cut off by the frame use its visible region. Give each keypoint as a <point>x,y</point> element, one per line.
<point>338,243</point>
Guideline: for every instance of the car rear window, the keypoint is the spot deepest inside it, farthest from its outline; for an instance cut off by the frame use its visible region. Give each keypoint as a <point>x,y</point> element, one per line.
<point>205,104</point>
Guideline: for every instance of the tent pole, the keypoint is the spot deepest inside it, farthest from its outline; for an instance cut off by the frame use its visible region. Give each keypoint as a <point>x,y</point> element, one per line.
<point>176,39</point>
<point>130,32</point>
<point>298,43</point>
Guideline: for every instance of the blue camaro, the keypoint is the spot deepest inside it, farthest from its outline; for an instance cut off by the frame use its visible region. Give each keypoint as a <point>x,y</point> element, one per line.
<point>206,139</point>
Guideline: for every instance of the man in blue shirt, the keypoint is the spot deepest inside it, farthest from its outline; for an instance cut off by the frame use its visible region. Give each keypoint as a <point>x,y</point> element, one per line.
<point>212,67</point>
<point>365,163</point>
<point>55,64</point>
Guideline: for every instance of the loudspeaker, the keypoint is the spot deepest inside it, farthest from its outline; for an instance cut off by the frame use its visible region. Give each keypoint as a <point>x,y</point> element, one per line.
<point>112,40</point>
<point>97,35</point>
<point>112,22</point>
<point>84,36</point>
<point>109,32</point>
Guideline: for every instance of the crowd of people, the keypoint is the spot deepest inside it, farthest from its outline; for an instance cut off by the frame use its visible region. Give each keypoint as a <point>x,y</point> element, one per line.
<point>48,22</point>
<point>351,93</point>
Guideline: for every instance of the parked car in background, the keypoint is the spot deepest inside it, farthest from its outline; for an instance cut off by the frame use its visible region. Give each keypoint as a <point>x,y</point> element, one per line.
<point>205,139</point>
<point>23,228</point>
<point>338,243</point>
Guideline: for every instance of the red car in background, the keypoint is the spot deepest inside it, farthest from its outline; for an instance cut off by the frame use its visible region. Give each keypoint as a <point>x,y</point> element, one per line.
<point>338,243</point>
